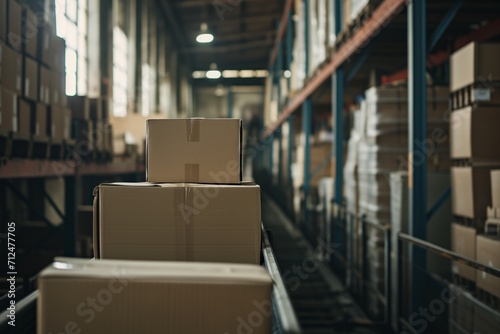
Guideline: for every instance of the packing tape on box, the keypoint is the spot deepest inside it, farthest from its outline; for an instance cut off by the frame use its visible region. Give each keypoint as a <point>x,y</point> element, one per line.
<point>192,172</point>
<point>183,224</point>
<point>193,130</point>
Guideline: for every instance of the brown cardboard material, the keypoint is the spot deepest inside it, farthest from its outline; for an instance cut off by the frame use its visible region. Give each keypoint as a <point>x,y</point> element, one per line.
<point>80,107</point>
<point>56,122</point>
<point>8,111</point>
<point>178,222</point>
<point>14,38</point>
<point>11,69</point>
<point>3,20</point>
<point>153,297</point>
<point>30,32</point>
<point>473,130</point>
<point>475,62</point>
<point>24,118</point>
<point>463,242</point>
<point>66,123</point>
<point>194,150</point>
<point>487,251</point>
<point>41,120</point>
<point>471,191</point>
<point>495,188</point>
<point>44,94</point>
<point>30,83</point>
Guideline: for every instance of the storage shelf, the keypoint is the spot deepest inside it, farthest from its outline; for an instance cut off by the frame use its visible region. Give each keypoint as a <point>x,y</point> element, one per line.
<point>44,168</point>
<point>381,16</point>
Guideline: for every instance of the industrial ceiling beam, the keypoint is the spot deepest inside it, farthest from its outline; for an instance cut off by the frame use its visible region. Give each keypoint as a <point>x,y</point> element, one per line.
<point>228,48</point>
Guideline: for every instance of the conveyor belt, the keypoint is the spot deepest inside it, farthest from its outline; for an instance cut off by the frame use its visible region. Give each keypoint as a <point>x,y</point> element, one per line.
<point>321,303</point>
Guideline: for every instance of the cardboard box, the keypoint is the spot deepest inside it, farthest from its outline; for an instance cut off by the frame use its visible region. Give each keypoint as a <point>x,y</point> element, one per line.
<point>30,83</point>
<point>58,55</point>
<point>58,88</point>
<point>8,111</point>
<point>46,34</point>
<point>471,191</point>
<point>3,20</point>
<point>461,312</point>
<point>473,132</point>
<point>24,118</point>
<point>14,38</point>
<point>495,188</point>
<point>130,297</point>
<point>56,122</point>
<point>30,32</point>
<point>463,242</point>
<point>45,85</point>
<point>80,107</point>
<point>178,222</point>
<point>11,69</point>
<point>487,251</point>
<point>66,123</point>
<point>41,120</point>
<point>194,150</point>
<point>475,62</point>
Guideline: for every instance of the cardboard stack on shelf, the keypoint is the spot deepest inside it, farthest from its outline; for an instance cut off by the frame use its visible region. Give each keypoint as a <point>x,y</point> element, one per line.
<point>33,108</point>
<point>384,149</point>
<point>474,135</point>
<point>195,212</point>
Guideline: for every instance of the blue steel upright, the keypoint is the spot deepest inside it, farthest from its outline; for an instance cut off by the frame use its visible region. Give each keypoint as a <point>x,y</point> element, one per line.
<point>289,34</point>
<point>337,111</point>
<point>306,121</point>
<point>417,133</point>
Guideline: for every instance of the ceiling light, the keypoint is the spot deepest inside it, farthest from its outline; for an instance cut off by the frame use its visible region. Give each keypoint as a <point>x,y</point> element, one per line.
<point>287,74</point>
<point>204,36</point>
<point>246,73</point>
<point>230,74</point>
<point>213,73</point>
<point>261,73</point>
<point>198,74</point>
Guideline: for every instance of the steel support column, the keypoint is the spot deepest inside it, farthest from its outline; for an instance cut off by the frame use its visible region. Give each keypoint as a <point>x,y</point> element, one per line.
<point>338,117</point>
<point>71,187</point>
<point>230,102</point>
<point>417,114</point>
<point>306,121</point>
<point>279,74</point>
<point>289,41</point>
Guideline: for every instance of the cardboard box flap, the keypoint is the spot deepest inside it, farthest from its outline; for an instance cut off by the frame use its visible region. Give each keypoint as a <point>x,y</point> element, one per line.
<point>181,272</point>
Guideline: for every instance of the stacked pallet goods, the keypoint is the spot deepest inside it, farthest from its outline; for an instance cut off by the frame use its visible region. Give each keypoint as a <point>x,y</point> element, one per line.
<point>474,138</point>
<point>384,149</point>
<point>195,218</point>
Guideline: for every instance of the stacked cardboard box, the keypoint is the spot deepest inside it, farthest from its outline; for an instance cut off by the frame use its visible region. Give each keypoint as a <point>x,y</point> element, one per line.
<point>383,149</point>
<point>473,132</point>
<point>32,82</point>
<point>127,297</point>
<point>194,208</point>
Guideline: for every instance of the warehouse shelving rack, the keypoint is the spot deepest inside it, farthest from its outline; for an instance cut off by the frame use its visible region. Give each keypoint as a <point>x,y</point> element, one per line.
<point>360,43</point>
<point>76,176</point>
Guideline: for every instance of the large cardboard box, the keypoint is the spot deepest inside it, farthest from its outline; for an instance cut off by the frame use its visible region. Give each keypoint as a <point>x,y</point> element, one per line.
<point>30,84</point>
<point>46,37</point>
<point>194,150</point>
<point>58,88</point>
<point>471,191</point>
<point>30,32</point>
<point>178,222</point>
<point>8,111</point>
<point>495,188</point>
<point>487,253</point>
<point>11,69</point>
<point>321,163</point>
<point>475,62</point>
<point>24,117</point>
<point>473,132</point>
<point>14,38</point>
<point>130,297</point>
<point>58,54</point>
<point>463,242</point>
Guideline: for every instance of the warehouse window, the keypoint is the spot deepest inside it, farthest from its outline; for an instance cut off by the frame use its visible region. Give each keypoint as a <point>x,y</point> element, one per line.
<point>71,20</point>
<point>147,85</point>
<point>120,75</point>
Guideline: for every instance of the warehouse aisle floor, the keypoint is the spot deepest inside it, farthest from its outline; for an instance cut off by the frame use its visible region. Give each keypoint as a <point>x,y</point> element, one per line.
<point>320,301</point>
